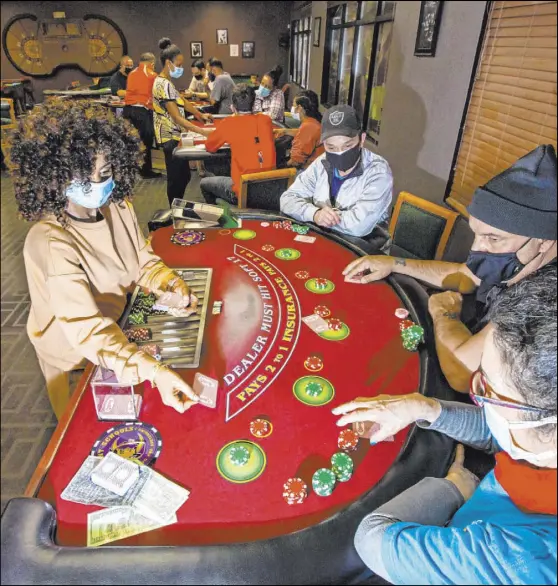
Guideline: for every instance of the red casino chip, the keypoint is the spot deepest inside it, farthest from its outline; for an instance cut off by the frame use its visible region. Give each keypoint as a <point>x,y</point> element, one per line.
<point>406,323</point>
<point>348,440</point>
<point>304,275</point>
<point>313,364</point>
<point>401,313</point>
<point>261,428</point>
<point>268,248</point>
<point>335,324</point>
<point>295,491</point>
<point>322,311</point>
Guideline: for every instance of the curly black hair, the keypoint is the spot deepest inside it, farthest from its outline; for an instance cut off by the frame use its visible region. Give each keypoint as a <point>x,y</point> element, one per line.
<point>59,142</point>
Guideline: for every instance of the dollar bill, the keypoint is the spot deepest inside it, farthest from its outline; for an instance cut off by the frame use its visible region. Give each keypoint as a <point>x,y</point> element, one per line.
<point>118,523</point>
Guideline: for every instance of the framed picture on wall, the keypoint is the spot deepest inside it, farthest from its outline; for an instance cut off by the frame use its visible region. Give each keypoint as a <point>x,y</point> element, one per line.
<point>196,49</point>
<point>248,49</point>
<point>222,36</point>
<point>317,31</point>
<point>428,28</point>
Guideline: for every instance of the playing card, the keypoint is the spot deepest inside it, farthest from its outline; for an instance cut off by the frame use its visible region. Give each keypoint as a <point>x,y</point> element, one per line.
<point>116,474</point>
<point>316,323</point>
<point>120,407</point>
<point>206,388</point>
<point>305,239</point>
<point>366,429</point>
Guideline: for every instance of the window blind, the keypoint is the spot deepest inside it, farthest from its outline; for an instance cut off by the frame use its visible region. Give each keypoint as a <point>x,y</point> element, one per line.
<point>512,108</point>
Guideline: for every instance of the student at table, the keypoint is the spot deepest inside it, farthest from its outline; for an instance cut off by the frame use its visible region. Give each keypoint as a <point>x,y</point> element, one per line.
<point>455,530</point>
<point>119,79</point>
<point>252,144</point>
<point>139,108</point>
<point>270,98</point>
<point>349,188</point>
<point>514,220</point>
<point>198,85</point>
<point>168,117</point>
<point>306,146</point>
<point>223,86</point>
<point>86,251</point>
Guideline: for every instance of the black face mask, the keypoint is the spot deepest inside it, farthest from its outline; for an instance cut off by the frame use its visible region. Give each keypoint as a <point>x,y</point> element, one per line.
<point>344,161</point>
<point>199,77</point>
<point>493,269</point>
<point>211,77</point>
<point>128,70</point>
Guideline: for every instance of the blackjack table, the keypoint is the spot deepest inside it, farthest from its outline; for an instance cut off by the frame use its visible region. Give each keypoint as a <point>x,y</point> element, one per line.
<point>237,527</point>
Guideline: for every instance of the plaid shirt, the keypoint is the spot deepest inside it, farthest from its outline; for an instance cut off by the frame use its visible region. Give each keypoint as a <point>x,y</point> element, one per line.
<point>272,106</point>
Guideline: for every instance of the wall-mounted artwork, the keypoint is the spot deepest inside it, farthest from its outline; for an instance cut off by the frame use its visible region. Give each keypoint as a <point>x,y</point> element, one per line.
<point>248,49</point>
<point>428,28</point>
<point>235,51</point>
<point>196,49</point>
<point>222,36</point>
<point>39,47</point>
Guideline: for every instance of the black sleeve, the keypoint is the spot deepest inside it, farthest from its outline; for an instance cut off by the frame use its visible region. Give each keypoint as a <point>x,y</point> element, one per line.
<point>117,83</point>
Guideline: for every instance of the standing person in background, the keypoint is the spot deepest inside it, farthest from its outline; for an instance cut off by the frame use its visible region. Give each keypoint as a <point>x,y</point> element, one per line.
<point>168,116</point>
<point>139,108</point>
<point>270,99</point>
<point>223,86</point>
<point>306,146</point>
<point>119,80</point>
<point>198,85</point>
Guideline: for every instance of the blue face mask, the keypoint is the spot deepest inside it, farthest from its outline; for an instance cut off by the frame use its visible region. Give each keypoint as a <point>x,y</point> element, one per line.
<point>264,91</point>
<point>177,72</point>
<point>96,197</point>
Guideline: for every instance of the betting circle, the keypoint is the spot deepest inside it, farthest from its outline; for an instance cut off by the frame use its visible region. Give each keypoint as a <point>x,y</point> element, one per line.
<point>241,474</point>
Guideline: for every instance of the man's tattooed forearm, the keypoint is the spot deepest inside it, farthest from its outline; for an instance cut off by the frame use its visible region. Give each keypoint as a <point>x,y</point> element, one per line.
<point>452,315</point>
<point>401,261</point>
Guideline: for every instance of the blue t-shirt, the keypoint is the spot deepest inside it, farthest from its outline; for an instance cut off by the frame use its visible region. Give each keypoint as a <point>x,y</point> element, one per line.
<point>337,183</point>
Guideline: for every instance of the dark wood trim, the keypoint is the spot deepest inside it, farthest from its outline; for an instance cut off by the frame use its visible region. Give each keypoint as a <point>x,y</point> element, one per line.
<point>476,63</point>
<point>58,435</point>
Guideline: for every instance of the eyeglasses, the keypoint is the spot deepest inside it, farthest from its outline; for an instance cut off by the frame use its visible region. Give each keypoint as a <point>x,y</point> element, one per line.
<point>481,392</point>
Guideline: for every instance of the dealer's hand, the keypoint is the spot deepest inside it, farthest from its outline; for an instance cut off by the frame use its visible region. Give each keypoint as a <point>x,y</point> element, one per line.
<point>465,481</point>
<point>448,303</point>
<point>327,217</point>
<point>179,286</point>
<point>174,391</point>
<point>208,118</point>
<point>369,269</point>
<point>391,412</point>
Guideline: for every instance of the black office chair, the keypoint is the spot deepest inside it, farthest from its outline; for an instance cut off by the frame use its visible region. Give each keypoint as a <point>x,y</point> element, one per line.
<point>420,229</point>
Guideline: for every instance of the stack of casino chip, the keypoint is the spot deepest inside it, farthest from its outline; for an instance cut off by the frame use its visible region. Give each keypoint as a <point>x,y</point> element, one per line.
<point>239,456</point>
<point>342,466</point>
<point>348,440</point>
<point>335,324</point>
<point>138,334</point>
<point>295,491</point>
<point>153,350</point>
<point>137,317</point>
<point>299,229</point>
<point>323,482</point>
<point>412,335</point>
<point>321,284</point>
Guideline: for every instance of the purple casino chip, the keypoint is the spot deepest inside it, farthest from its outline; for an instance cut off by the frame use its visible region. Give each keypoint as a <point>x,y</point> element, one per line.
<point>139,442</point>
<point>187,238</point>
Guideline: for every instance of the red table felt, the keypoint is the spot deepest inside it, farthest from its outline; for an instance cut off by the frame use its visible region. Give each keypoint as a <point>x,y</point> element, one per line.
<point>369,362</point>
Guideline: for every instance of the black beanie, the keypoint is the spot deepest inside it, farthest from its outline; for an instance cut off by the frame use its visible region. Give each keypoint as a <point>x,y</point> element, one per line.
<point>522,199</point>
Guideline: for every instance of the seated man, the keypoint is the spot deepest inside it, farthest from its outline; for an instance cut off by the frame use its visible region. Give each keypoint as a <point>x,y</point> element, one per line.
<point>223,86</point>
<point>119,80</point>
<point>250,137</point>
<point>514,220</point>
<point>453,530</point>
<point>139,107</point>
<point>349,189</point>
<point>198,85</point>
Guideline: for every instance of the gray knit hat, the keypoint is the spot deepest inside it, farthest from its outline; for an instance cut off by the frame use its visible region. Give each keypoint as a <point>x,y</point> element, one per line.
<point>522,200</point>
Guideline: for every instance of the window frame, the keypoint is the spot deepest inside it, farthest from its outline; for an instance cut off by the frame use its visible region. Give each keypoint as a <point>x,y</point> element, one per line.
<point>298,31</point>
<point>376,21</point>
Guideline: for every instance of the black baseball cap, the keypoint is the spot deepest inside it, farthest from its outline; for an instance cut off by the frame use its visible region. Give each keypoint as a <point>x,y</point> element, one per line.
<point>340,121</point>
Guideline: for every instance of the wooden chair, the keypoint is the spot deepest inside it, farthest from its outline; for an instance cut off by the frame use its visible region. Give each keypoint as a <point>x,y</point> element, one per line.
<point>263,190</point>
<point>420,229</point>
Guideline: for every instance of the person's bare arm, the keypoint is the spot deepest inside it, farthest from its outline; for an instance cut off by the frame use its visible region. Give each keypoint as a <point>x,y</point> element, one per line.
<point>439,274</point>
<point>194,111</point>
<point>174,113</point>
<point>459,351</point>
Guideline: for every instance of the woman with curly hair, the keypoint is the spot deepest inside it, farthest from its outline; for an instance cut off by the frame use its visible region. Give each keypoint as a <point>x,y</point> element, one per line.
<point>74,167</point>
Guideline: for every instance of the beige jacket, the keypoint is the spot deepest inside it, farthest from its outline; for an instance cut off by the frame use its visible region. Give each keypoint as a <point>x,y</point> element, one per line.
<point>78,279</point>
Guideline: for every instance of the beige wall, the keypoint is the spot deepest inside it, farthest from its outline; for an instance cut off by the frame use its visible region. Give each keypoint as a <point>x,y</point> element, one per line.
<point>425,96</point>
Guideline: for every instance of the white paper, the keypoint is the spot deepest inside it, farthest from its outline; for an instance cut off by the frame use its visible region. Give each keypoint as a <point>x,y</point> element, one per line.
<point>234,50</point>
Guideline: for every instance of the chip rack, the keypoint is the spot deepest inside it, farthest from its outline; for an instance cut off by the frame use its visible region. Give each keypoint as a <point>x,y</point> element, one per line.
<point>179,338</point>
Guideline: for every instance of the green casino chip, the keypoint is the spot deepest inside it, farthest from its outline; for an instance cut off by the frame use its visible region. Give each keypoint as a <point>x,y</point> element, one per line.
<point>314,389</point>
<point>239,455</point>
<point>323,482</point>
